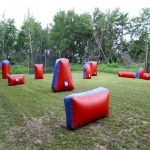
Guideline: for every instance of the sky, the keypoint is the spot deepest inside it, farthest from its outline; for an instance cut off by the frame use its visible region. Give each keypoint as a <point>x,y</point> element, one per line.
<point>44,10</point>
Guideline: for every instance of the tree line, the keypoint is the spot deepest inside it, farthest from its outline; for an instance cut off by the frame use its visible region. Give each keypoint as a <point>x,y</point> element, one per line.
<point>102,36</point>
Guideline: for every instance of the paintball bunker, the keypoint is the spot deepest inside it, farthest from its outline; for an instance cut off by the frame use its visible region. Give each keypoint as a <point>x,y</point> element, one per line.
<point>62,78</point>
<point>85,107</point>
<point>5,69</point>
<point>15,79</point>
<point>38,69</point>
<point>86,71</point>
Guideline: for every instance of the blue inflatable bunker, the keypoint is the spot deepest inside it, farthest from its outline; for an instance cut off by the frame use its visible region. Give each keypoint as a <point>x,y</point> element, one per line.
<point>62,78</point>
<point>82,108</point>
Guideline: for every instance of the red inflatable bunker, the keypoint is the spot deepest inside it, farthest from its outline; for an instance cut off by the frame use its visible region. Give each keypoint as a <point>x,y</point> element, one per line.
<point>5,69</point>
<point>62,78</point>
<point>38,69</point>
<point>93,65</point>
<point>140,73</point>
<point>146,76</point>
<point>86,71</point>
<point>82,108</point>
<point>15,79</point>
<point>127,74</point>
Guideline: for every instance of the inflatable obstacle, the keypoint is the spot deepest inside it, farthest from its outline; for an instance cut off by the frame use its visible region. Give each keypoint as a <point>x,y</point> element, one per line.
<point>86,71</point>
<point>146,76</point>
<point>138,74</point>
<point>62,78</point>
<point>85,107</point>
<point>93,65</point>
<point>15,79</point>
<point>5,69</point>
<point>38,69</point>
<point>127,74</point>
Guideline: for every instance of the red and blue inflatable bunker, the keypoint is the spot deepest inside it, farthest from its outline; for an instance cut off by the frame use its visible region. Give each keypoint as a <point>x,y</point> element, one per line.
<point>86,71</point>
<point>85,107</point>
<point>5,69</point>
<point>140,73</point>
<point>93,65</point>
<point>146,76</point>
<point>15,79</point>
<point>127,74</point>
<point>38,69</point>
<point>62,78</point>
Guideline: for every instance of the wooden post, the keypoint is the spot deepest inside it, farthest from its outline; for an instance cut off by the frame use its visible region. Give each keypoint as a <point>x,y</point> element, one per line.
<point>146,58</point>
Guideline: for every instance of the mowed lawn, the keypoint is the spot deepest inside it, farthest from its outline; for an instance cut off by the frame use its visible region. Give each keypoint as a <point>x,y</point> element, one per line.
<point>32,116</point>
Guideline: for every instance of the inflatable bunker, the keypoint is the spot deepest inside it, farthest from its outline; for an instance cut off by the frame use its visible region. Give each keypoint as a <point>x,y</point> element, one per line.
<point>140,73</point>
<point>127,74</point>
<point>62,78</point>
<point>93,65</point>
<point>5,69</point>
<point>15,79</point>
<point>146,76</point>
<point>85,107</point>
<point>38,69</point>
<point>86,71</point>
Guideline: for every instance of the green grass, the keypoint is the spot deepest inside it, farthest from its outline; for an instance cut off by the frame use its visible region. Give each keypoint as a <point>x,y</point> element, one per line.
<point>32,116</point>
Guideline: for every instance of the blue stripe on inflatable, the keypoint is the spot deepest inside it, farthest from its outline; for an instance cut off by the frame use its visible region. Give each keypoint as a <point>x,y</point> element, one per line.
<point>68,106</point>
<point>135,75</point>
<point>68,103</point>
<point>55,76</point>
<point>138,73</point>
<point>5,62</point>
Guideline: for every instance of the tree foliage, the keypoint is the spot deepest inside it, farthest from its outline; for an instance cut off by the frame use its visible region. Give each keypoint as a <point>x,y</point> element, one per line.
<point>102,36</point>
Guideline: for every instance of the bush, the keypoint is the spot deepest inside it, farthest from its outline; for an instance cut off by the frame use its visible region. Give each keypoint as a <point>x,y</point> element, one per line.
<point>18,69</point>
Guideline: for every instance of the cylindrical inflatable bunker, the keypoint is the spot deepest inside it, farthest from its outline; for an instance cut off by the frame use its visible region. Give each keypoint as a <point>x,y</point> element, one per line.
<point>127,74</point>
<point>38,69</point>
<point>93,65</point>
<point>15,79</point>
<point>86,71</point>
<point>140,73</point>
<point>5,69</point>
<point>146,76</point>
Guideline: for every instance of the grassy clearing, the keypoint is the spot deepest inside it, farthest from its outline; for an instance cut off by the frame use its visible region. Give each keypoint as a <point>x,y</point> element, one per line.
<point>32,116</point>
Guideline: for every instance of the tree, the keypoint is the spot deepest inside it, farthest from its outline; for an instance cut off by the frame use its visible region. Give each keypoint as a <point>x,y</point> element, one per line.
<point>139,34</point>
<point>8,32</point>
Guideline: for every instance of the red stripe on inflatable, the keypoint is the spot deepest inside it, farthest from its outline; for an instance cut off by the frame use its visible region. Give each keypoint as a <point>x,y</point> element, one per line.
<point>90,108</point>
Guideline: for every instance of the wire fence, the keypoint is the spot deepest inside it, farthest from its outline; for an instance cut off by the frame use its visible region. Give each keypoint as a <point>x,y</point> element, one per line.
<point>47,59</point>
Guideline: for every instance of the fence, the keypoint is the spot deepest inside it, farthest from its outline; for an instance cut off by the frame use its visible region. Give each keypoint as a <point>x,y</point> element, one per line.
<point>47,59</point>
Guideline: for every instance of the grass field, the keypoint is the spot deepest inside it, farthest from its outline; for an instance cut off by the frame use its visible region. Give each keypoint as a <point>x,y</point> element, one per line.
<point>32,116</point>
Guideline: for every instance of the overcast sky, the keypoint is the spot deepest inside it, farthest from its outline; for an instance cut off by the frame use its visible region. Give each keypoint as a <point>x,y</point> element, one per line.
<point>44,10</point>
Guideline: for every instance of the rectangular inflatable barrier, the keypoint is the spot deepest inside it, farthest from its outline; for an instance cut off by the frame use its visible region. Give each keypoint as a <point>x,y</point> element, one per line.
<point>38,69</point>
<point>85,107</point>
<point>15,79</point>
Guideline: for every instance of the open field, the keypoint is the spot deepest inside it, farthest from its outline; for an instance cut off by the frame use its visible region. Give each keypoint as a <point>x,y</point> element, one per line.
<point>32,116</point>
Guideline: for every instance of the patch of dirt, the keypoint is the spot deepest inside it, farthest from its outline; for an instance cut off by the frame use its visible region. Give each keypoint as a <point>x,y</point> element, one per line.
<point>33,129</point>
